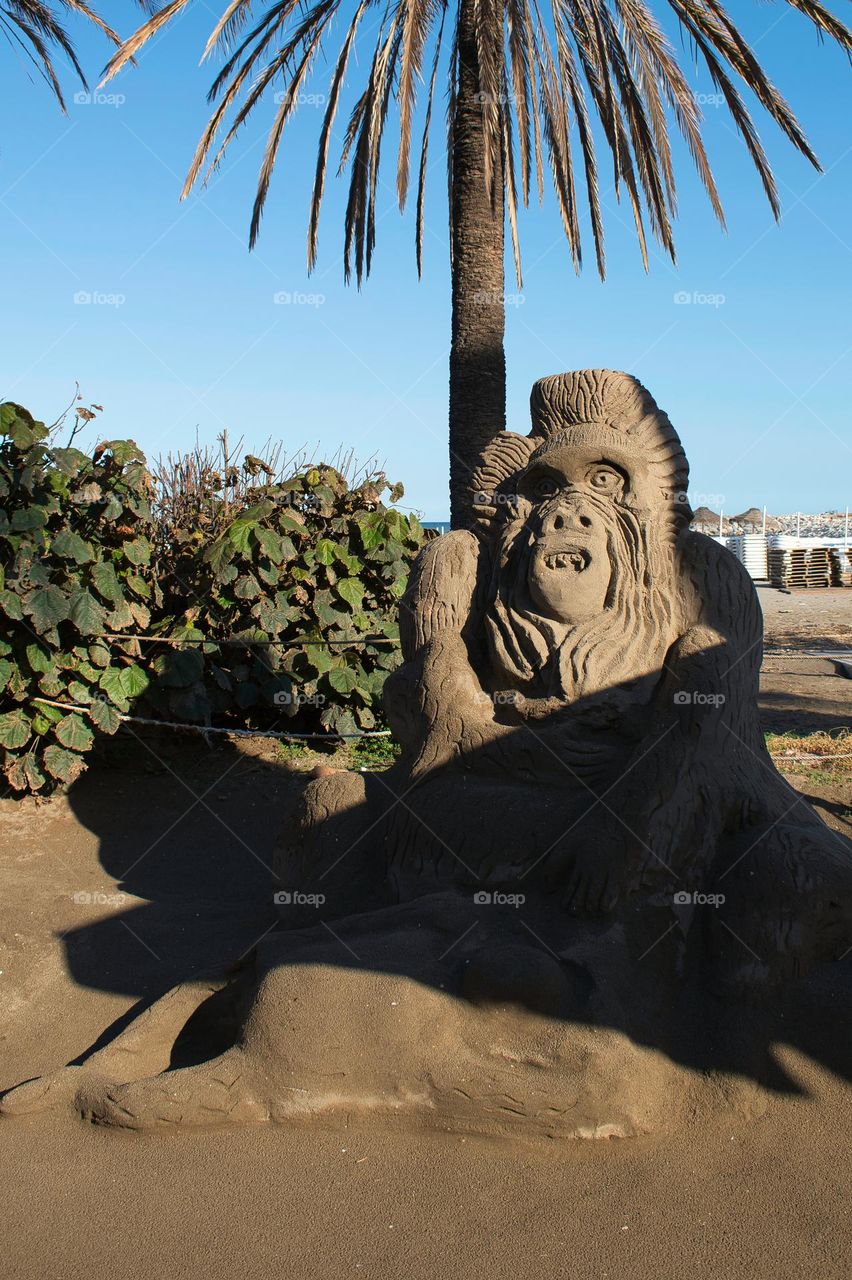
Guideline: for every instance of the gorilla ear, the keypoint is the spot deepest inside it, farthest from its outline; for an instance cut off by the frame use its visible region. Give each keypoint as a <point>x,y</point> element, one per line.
<point>494,481</point>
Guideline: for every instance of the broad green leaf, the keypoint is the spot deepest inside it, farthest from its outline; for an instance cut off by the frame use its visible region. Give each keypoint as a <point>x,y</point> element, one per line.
<point>53,714</point>
<point>20,425</point>
<point>134,680</point>
<point>62,765</point>
<point>239,534</point>
<point>106,583</point>
<point>46,606</point>
<point>292,521</point>
<point>339,719</point>
<point>79,692</point>
<point>325,551</point>
<point>99,655</point>
<point>371,529</point>
<point>69,461</point>
<point>121,618</point>
<point>87,613</point>
<point>73,732</point>
<point>351,590</point>
<point>218,554</point>
<point>14,730</point>
<point>104,716</point>
<point>114,508</point>
<point>11,605</point>
<point>113,687</point>
<point>70,546</point>
<point>39,658</point>
<point>138,551</point>
<point>247,587</point>
<point>342,679</point>
<point>270,543</point>
<point>123,451</point>
<point>5,673</point>
<point>138,585</point>
<point>27,518</point>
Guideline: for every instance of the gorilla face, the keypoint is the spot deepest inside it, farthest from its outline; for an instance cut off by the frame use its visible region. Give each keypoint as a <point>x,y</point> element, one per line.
<point>570,495</point>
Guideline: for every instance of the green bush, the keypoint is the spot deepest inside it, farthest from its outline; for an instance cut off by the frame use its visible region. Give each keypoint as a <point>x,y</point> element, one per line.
<point>75,566</point>
<point>277,609</point>
<point>294,608</point>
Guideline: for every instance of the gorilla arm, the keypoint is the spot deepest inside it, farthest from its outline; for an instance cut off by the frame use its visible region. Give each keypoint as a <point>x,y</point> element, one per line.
<point>435,703</point>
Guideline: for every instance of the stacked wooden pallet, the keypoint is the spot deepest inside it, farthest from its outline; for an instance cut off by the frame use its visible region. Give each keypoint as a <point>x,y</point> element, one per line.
<point>800,567</point>
<point>841,566</point>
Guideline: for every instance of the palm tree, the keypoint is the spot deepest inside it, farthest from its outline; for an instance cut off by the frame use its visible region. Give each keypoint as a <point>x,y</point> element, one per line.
<point>524,87</point>
<point>32,28</point>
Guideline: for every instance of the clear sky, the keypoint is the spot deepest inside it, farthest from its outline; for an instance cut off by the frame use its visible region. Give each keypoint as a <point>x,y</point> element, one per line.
<point>182,331</point>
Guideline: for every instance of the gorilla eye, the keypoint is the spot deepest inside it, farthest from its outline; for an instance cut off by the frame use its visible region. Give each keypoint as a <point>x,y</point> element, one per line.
<point>604,479</point>
<point>546,488</point>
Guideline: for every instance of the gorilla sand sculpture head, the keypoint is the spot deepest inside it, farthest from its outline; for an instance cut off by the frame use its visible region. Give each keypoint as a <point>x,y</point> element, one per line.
<point>585,513</point>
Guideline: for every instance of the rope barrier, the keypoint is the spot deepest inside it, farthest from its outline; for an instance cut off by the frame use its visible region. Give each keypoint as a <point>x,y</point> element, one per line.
<point>236,733</point>
<point>323,737</point>
<point>250,644</point>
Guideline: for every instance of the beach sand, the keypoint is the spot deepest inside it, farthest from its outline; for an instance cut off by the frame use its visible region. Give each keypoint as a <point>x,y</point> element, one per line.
<point>152,870</point>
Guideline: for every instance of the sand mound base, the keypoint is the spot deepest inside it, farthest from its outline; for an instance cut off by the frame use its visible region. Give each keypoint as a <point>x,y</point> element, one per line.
<point>439,1016</point>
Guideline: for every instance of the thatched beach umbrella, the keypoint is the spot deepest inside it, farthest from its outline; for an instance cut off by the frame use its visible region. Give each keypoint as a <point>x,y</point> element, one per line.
<point>752,517</point>
<point>707,521</point>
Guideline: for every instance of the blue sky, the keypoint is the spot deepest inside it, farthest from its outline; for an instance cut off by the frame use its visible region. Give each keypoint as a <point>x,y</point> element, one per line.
<point>182,331</point>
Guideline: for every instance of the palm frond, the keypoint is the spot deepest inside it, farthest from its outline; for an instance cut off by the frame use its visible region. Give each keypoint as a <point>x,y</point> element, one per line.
<point>424,146</point>
<point>146,32</point>
<point>511,190</point>
<point>416,24</point>
<point>325,135</point>
<point>33,26</point>
<point>309,36</point>
<point>542,86</point>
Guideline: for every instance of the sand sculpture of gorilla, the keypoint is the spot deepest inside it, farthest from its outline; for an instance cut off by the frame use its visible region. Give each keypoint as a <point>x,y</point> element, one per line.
<point>578,704</point>
<point>577,708</point>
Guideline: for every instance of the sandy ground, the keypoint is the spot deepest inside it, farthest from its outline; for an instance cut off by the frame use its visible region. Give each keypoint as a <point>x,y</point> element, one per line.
<point>154,869</point>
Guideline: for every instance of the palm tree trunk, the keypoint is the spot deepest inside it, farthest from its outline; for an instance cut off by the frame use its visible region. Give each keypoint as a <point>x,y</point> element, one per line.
<point>477,359</point>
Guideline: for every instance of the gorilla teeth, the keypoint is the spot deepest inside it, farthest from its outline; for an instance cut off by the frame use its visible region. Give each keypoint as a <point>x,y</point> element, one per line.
<point>576,560</point>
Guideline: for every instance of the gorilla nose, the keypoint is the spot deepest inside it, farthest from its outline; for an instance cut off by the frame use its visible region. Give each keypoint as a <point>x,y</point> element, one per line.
<point>568,517</point>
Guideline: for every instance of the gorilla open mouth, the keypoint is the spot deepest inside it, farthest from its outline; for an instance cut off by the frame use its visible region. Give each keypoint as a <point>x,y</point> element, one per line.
<point>576,558</point>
